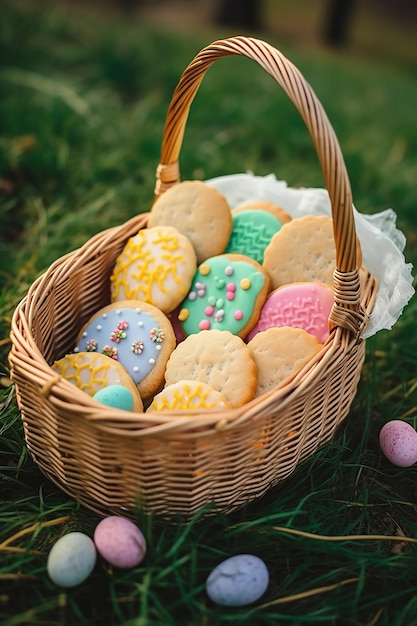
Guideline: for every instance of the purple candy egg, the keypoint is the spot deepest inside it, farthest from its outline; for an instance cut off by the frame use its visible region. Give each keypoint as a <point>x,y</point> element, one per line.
<point>238,581</point>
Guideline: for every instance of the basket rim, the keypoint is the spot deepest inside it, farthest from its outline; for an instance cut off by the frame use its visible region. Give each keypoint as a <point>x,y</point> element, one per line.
<point>58,390</point>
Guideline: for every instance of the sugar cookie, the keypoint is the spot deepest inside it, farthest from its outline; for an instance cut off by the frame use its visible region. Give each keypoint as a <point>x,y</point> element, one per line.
<point>156,266</point>
<point>303,251</point>
<point>186,395</point>
<point>218,358</point>
<point>200,212</point>
<point>280,353</point>
<point>252,231</point>
<point>300,305</point>
<point>136,334</point>
<point>91,372</point>
<point>227,293</point>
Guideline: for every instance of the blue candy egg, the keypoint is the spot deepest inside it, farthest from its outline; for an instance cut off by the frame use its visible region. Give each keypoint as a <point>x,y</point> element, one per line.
<point>238,581</point>
<point>116,396</point>
<point>71,559</point>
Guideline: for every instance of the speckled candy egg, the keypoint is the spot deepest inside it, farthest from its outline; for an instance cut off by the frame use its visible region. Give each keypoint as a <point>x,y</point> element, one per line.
<point>71,559</point>
<point>398,441</point>
<point>120,542</point>
<point>238,581</point>
<point>116,396</point>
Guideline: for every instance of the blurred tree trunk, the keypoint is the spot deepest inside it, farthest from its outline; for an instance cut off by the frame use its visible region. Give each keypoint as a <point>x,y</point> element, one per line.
<point>240,14</point>
<point>128,6</point>
<point>338,19</point>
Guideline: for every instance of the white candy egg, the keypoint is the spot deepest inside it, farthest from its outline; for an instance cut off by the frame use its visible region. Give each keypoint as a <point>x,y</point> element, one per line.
<point>71,559</point>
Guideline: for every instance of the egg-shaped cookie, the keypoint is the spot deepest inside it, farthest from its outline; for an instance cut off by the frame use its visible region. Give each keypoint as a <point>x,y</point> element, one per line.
<point>252,231</point>
<point>92,372</point>
<point>300,305</point>
<point>155,266</point>
<point>198,211</point>
<point>136,334</point>
<point>188,395</point>
<point>227,293</point>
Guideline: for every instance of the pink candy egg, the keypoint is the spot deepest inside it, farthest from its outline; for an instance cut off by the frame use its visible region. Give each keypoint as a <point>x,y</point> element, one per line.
<point>120,542</point>
<point>398,441</point>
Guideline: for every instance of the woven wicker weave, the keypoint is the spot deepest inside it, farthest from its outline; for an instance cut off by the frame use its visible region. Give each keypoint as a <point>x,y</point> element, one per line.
<point>113,461</point>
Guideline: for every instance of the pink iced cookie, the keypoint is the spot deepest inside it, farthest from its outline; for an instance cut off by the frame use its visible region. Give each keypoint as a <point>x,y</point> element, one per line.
<point>300,305</point>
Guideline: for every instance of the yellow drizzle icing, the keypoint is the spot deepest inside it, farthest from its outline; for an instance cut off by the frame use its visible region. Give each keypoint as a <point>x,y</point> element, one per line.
<point>87,374</point>
<point>154,260</point>
<point>185,396</point>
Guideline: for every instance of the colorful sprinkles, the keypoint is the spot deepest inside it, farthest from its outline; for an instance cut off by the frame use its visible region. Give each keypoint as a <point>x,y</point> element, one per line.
<point>223,296</point>
<point>135,335</point>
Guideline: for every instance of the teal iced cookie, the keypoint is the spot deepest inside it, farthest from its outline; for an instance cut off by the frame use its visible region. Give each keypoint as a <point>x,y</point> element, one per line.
<point>116,396</point>
<point>227,293</point>
<point>252,231</point>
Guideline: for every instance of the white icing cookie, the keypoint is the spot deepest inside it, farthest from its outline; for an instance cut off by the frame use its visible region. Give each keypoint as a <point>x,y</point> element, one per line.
<point>91,372</point>
<point>156,266</point>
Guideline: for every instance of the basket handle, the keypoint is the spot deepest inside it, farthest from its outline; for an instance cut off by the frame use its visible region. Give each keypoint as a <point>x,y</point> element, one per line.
<point>346,312</point>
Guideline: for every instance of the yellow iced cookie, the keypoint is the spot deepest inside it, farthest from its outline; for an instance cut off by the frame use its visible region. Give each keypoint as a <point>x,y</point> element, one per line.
<point>92,371</point>
<point>156,266</point>
<point>186,395</point>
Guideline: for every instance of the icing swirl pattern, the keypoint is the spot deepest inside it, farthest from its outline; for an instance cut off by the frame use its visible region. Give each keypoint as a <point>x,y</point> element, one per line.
<point>300,305</point>
<point>252,232</point>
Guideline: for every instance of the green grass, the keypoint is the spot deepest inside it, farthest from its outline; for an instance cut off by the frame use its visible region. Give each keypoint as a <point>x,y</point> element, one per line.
<point>82,112</point>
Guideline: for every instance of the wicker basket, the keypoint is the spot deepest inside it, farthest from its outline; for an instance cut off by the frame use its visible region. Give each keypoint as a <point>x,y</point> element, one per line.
<point>113,461</point>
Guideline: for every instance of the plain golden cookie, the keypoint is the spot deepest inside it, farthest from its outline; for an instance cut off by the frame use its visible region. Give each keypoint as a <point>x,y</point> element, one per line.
<point>303,251</point>
<point>280,353</point>
<point>188,395</point>
<point>200,212</point>
<point>218,358</point>
<point>91,372</point>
